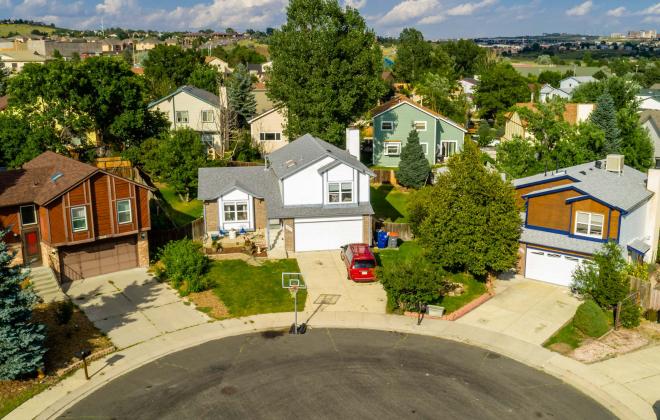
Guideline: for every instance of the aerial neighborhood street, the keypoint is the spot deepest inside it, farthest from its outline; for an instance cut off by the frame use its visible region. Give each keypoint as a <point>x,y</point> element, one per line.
<point>345,209</point>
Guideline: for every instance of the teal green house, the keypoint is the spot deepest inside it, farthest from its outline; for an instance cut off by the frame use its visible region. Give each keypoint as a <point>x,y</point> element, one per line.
<point>439,136</point>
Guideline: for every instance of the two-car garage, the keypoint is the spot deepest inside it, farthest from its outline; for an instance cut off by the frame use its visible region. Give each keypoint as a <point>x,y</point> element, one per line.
<point>99,257</point>
<point>320,234</point>
<point>550,266</point>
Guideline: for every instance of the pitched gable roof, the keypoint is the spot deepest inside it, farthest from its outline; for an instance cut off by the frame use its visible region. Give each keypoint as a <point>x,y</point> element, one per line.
<point>570,113</point>
<point>201,94</point>
<point>401,99</point>
<point>650,115</point>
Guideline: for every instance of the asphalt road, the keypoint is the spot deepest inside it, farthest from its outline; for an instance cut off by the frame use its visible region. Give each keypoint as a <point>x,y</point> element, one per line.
<point>338,374</point>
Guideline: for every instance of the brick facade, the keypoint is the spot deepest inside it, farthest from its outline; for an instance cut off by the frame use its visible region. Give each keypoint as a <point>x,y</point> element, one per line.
<point>522,254</point>
<point>260,216</point>
<point>211,216</point>
<point>289,235</point>
<point>51,257</point>
<point>367,237</point>
<point>143,250</point>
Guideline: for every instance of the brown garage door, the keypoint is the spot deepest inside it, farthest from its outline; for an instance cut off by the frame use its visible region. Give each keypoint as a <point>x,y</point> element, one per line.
<point>102,257</point>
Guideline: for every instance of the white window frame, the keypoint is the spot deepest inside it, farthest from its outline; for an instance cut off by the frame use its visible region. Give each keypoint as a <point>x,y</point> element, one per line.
<point>235,211</point>
<point>206,113</point>
<point>74,218</point>
<point>262,136</point>
<point>130,212</point>
<point>341,191</point>
<point>589,224</point>
<point>425,148</point>
<point>419,130</point>
<point>392,143</point>
<point>207,139</point>
<point>34,211</point>
<point>387,129</point>
<point>449,141</point>
<point>181,120</point>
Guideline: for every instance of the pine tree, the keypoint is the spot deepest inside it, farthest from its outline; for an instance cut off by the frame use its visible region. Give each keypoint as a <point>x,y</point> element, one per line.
<point>21,341</point>
<point>241,98</point>
<point>604,117</point>
<point>413,167</point>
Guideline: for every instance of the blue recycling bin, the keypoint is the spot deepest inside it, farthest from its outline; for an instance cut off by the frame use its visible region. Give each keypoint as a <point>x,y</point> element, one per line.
<point>382,239</point>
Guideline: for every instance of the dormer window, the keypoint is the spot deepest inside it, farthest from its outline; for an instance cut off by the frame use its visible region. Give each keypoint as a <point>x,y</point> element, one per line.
<point>589,224</point>
<point>340,192</point>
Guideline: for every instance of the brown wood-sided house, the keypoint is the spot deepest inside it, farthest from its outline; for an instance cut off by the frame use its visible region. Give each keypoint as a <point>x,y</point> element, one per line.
<point>76,218</point>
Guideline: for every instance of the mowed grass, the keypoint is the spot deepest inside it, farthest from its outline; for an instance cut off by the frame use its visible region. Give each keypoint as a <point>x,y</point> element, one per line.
<point>389,203</point>
<point>411,250</point>
<point>23,29</point>
<point>568,335</point>
<point>529,67</point>
<point>180,212</point>
<point>248,290</point>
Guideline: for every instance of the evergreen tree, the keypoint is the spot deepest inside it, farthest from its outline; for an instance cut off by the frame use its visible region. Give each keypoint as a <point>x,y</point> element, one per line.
<point>413,55</point>
<point>413,167</point>
<point>240,95</point>
<point>472,222</point>
<point>604,117</point>
<point>21,341</point>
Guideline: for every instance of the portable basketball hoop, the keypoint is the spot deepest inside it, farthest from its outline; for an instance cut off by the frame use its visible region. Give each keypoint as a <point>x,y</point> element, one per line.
<point>293,282</point>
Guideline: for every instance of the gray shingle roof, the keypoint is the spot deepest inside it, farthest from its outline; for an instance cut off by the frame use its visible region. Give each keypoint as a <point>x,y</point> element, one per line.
<point>306,150</point>
<point>625,190</point>
<point>559,241</point>
<point>639,245</point>
<point>200,94</point>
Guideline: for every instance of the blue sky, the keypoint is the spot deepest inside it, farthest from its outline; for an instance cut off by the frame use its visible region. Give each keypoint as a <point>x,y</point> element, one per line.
<point>435,18</point>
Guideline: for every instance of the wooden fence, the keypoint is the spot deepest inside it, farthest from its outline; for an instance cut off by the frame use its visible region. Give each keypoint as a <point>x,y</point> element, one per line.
<point>236,163</point>
<point>384,176</point>
<point>401,229</point>
<point>159,237</point>
<point>649,292</point>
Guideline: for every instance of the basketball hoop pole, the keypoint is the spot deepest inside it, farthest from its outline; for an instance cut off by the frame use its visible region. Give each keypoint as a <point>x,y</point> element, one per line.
<point>295,311</point>
<point>293,282</point>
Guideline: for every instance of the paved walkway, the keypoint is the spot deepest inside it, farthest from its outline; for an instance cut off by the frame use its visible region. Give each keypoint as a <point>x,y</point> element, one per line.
<point>605,389</point>
<point>525,309</point>
<point>131,306</point>
<point>328,288</point>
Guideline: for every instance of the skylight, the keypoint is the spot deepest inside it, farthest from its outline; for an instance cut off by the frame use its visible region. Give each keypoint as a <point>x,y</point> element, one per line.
<point>56,176</point>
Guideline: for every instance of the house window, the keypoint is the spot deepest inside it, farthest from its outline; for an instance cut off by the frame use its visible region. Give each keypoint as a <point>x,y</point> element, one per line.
<point>589,224</point>
<point>79,218</point>
<point>207,116</point>
<point>28,215</point>
<point>340,192</point>
<point>448,148</point>
<point>657,163</point>
<point>269,136</point>
<point>425,148</point>
<point>419,125</point>
<point>392,148</point>
<point>207,139</point>
<point>236,212</point>
<point>124,212</point>
<point>387,125</point>
<point>181,117</point>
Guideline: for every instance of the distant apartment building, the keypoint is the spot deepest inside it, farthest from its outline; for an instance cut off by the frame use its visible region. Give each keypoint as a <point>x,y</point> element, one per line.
<point>643,34</point>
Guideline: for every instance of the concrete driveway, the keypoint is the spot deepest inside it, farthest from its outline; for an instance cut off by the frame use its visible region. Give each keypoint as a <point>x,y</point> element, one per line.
<point>526,309</point>
<point>328,289</point>
<point>131,306</point>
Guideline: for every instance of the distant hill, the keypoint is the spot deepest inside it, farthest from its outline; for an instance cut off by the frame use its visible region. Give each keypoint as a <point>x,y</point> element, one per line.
<point>23,29</point>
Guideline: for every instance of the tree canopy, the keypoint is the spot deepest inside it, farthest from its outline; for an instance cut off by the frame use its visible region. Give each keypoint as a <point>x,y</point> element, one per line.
<point>326,68</point>
<point>469,58</point>
<point>500,88</point>
<point>414,168</point>
<point>240,95</point>
<point>605,279</point>
<point>413,55</point>
<point>439,94</point>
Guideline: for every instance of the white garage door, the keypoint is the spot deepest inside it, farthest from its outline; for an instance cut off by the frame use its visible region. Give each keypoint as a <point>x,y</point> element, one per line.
<point>550,267</point>
<point>326,234</point>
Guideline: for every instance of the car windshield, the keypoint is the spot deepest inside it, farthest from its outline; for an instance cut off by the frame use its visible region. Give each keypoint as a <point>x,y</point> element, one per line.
<point>364,264</point>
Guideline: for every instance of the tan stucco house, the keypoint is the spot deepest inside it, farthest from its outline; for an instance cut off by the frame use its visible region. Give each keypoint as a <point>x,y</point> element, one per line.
<point>267,130</point>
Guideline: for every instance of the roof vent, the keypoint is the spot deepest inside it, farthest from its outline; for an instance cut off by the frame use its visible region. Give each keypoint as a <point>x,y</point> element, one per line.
<point>598,164</point>
<point>56,176</point>
<point>614,163</point>
<point>290,163</point>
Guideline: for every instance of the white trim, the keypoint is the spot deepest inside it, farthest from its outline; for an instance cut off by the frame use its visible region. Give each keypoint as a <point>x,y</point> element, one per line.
<point>210,112</point>
<point>340,191</point>
<point>34,211</point>
<point>425,147</point>
<point>263,114</point>
<point>130,211</point>
<point>449,141</point>
<point>71,210</point>
<point>263,134</point>
<point>448,121</point>
<point>235,211</point>
<point>397,143</point>
<point>589,224</point>
<point>420,130</point>
<point>386,129</point>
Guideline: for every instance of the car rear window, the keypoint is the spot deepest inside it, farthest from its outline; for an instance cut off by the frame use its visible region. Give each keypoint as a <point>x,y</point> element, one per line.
<point>364,264</point>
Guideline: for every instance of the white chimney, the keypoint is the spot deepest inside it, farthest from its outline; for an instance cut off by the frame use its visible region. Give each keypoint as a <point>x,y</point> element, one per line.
<point>353,141</point>
<point>614,163</point>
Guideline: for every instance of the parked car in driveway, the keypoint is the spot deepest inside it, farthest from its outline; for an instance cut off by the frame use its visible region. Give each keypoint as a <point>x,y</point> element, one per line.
<point>360,262</point>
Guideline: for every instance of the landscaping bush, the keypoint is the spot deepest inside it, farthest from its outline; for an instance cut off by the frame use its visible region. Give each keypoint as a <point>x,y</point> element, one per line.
<point>631,314</point>
<point>185,263</point>
<point>590,319</point>
<point>64,312</point>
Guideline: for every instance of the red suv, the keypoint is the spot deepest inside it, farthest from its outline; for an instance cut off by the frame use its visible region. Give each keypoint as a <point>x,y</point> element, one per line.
<point>360,262</point>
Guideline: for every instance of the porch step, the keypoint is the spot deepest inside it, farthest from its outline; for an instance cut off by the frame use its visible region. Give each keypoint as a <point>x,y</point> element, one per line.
<point>44,284</point>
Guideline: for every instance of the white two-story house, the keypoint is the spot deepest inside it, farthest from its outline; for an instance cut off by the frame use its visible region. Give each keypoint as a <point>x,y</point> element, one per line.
<point>565,89</point>
<point>193,108</point>
<point>310,195</point>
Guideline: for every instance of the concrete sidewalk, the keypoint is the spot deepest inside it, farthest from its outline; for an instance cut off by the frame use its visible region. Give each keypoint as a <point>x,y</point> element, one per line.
<point>600,386</point>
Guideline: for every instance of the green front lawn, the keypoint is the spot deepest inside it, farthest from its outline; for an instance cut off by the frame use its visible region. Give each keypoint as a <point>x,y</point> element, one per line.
<point>390,203</point>
<point>180,212</point>
<point>411,249</point>
<point>567,335</point>
<point>248,290</point>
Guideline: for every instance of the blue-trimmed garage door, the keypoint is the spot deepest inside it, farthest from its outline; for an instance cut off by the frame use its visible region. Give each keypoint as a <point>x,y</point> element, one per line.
<point>551,267</point>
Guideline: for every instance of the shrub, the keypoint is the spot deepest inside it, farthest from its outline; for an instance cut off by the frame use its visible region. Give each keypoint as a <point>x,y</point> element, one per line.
<point>590,319</point>
<point>631,314</point>
<point>184,263</point>
<point>64,312</point>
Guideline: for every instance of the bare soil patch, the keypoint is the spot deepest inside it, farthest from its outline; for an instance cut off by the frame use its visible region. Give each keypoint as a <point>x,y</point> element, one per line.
<point>209,303</point>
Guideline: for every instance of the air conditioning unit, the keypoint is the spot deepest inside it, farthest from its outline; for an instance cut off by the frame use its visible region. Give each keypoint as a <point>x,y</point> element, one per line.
<point>614,163</point>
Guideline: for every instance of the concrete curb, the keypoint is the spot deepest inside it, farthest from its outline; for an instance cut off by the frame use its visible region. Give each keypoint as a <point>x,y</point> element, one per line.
<point>612,395</point>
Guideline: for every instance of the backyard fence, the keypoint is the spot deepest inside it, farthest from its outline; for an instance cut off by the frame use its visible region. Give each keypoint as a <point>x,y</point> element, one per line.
<point>648,291</point>
<point>159,237</point>
<point>402,230</point>
<point>384,176</point>
<point>237,163</point>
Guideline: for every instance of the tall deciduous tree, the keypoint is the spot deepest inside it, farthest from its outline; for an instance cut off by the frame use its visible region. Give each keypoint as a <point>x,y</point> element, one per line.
<point>168,67</point>
<point>21,341</point>
<point>413,55</point>
<point>439,94</point>
<point>636,144</point>
<point>469,58</point>
<point>204,77</point>
<point>499,89</point>
<point>472,221</point>
<point>326,68</point>
<point>414,169</point>
<point>240,95</point>
<point>604,117</point>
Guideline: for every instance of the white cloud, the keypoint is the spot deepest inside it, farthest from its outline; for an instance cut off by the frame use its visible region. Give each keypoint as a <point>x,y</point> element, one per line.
<point>408,10</point>
<point>355,4</point>
<point>429,20</point>
<point>469,8</point>
<point>651,19</point>
<point>581,9</point>
<point>114,7</point>
<point>5,4</point>
<point>618,12</point>
<point>651,10</point>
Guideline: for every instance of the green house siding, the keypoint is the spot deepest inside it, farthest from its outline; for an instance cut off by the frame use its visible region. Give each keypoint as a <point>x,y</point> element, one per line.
<point>403,117</point>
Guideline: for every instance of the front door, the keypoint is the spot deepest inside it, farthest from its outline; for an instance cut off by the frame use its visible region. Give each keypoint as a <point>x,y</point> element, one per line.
<point>31,248</point>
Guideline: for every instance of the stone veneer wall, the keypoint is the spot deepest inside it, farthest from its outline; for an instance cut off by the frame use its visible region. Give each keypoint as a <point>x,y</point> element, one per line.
<point>367,237</point>
<point>51,257</point>
<point>211,215</point>
<point>18,249</point>
<point>143,249</point>
<point>522,254</point>
<point>289,235</point>
<point>260,217</point>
